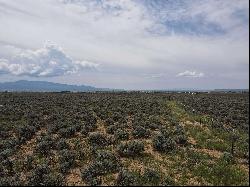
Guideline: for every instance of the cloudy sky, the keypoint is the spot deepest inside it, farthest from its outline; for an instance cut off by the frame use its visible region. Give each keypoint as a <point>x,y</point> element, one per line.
<point>131,44</point>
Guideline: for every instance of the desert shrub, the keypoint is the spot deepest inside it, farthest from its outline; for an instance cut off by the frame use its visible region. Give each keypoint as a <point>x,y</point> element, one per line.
<point>126,178</point>
<point>54,127</point>
<point>121,134</point>
<point>98,139</point>
<point>62,144</point>
<point>90,119</point>
<point>37,175</point>
<point>168,181</point>
<point>44,146</point>
<point>6,153</point>
<point>152,126</point>
<point>105,162</point>
<point>111,129</point>
<point>64,167</point>
<point>10,143</point>
<point>181,139</point>
<point>25,132</point>
<point>66,132</point>
<point>90,126</point>
<point>117,116</point>
<point>96,181</point>
<point>141,132</point>
<point>53,179</point>
<point>151,176</point>
<point>66,156</point>
<point>163,143</point>
<point>84,131</point>
<point>109,122</point>
<point>180,136</point>
<point>227,157</point>
<point>10,181</point>
<point>28,162</point>
<point>7,165</point>
<point>131,148</point>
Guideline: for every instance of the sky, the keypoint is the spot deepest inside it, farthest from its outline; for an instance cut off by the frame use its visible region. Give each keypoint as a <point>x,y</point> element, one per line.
<point>126,44</point>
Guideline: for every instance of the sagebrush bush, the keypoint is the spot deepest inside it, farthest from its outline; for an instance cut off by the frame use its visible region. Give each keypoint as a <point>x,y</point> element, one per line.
<point>28,162</point>
<point>44,146</point>
<point>25,132</point>
<point>62,144</point>
<point>140,132</point>
<point>105,162</point>
<point>52,179</point>
<point>64,167</point>
<point>163,143</point>
<point>109,122</point>
<point>151,176</point>
<point>10,180</point>
<point>67,156</point>
<point>6,153</point>
<point>131,148</point>
<point>66,132</point>
<point>37,175</point>
<point>98,139</point>
<point>227,157</point>
<point>10,143</point>
<point>180,136</point>
<point>66,160</point>
<point>7,165</point>
<point>168,181</point>
<point>111,129</point>
<point>126,178</point>
<point>121,134</point>
<point>181,139</point>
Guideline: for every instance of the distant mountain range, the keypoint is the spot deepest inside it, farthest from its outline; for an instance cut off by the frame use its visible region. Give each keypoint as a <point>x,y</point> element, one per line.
<point>43,86</point>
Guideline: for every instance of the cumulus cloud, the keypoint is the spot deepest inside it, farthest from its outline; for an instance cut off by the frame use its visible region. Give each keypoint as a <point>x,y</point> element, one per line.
<point>48,61</point>
<point>192,74</point>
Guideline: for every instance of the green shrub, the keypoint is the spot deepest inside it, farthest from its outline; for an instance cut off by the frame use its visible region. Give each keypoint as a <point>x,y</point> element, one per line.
<point>131,148</point>
<point>105,162</point>
<point>140,132</point>
<point>111,129</point>
<point>126,178</point>
<point>98,139</point>
<point>53,179</point>
<point>168,181</point>
<point>64,167</point>
<point>25,132</point>
<point>109,122</point>
<point>44,147</point>
<point>66,132</point>
<point>67,156</point>
<point>181,139</point>
<point>121,134</point>
<point>37,175</point>
<point>151,176</point>
<point>163,143</point>
<point>227,157</point>
<point>6,153</point>
<point>62,144</point>
<point>28,162</point>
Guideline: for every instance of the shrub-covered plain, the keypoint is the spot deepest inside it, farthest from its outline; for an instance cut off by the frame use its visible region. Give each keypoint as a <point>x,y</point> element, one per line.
<point>124,138</point>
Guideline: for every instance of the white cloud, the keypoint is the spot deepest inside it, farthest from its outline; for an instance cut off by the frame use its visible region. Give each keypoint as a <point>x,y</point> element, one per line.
<point>48,61</point>
<point>192,74</point>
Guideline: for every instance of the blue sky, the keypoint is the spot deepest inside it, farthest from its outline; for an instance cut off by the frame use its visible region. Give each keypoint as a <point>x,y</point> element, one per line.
<point>131,44</point>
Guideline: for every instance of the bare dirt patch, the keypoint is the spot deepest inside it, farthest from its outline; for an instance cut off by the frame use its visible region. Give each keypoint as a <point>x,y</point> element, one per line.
<point>74,178</point>
<point>210,152</point>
